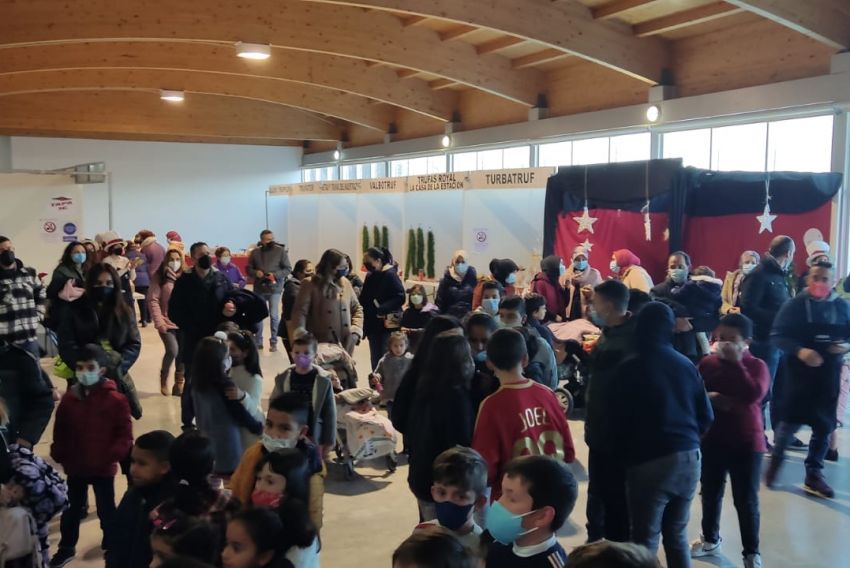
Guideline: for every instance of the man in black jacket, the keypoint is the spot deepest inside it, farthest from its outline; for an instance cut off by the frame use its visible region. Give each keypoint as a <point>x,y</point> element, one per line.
<point>763,292</point>
<point>196,306</point>
<point>28,394</point>
<point>269,266</point>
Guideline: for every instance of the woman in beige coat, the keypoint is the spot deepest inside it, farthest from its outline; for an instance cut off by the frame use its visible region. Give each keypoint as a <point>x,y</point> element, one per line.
<point>327,306</point>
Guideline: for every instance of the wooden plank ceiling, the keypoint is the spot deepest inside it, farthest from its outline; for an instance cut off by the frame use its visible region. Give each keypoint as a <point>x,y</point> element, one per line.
<point>354,70</point>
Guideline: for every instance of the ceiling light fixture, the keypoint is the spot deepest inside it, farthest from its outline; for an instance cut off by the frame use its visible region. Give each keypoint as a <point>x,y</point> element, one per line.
<point>337,155</point>
<point>172,96</point>
<point>258,51</point>
<point>446,141</point>
<point>653,113</point>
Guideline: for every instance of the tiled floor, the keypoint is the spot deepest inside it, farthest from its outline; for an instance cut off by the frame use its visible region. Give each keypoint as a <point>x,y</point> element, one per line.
<point>366,518</point>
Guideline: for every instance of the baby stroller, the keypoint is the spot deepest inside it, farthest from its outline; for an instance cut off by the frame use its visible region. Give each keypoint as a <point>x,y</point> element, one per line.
<point>362,432</point>
<point>573,342</point>
<point>333,358</point>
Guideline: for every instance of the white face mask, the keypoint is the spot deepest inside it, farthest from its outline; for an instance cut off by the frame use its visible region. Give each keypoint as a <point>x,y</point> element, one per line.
<point>747,267</point>
<point>228,363</point>
<point>225,260</point>
<point>416,299</point>
<point>275,444</point>
<point>175,265</point>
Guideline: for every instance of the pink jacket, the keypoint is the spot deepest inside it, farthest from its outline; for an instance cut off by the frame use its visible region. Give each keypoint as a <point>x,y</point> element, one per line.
<point>158,296</point>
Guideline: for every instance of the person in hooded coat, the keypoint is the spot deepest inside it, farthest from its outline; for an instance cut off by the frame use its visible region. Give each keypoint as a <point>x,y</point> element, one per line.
<point>661,410</point>
<point>454,294</point>
<point>579,276</point>
<point>502,271</point>
<point>547,283</point>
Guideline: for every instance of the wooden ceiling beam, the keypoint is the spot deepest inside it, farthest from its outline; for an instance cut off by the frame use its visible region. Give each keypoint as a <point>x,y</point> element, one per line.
<point>343,106</point>
<point>413,21</point>
<point>344,31</point>
<point>439,84</point>
<point>498,44</point>
<point>457,32</point>
<point>406,73</point>
<point>538,58</point>
<point>827,21</point>
<point>134,113</point>
<point>618,7</point>
<point>141,137</point>
<point>287,66</point>
<point>685,19</point>
<point>568,26</point>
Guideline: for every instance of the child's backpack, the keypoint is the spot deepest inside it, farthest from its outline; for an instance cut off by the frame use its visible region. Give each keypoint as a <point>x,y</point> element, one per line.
<point>19,545</point>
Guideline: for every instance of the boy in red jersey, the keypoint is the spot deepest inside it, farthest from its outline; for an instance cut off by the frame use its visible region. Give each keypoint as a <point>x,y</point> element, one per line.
<point>522,417</point>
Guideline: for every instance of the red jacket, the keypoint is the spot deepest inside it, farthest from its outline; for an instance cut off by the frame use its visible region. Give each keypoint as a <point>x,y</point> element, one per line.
<point>518,420</point>
<point>554,294</point>
<point>739,429</point>
<point>92,431</point>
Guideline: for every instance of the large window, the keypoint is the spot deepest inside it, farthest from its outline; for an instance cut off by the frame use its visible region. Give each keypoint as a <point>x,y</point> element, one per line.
<point>802,144</point>
<point>318,174</point>
<point>364,171</point>
<point>555,154</point>
<point>422,165</point>
<point>627,148</point>
<point>515,157</point>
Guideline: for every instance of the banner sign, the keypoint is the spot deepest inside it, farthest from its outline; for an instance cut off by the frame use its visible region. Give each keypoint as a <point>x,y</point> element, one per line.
<point>528,178</point>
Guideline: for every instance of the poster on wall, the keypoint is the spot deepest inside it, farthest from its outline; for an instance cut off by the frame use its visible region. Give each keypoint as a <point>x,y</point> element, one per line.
<point>480,239</point>
<point>61,220</point>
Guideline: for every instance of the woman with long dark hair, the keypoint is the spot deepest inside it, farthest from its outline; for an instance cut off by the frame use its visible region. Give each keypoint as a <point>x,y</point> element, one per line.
<point>159,293</point>
<point>101,316</point>
<point>442,411</point>
<point>327,306</point>
<point>382,296</point>
<point>73,267</point>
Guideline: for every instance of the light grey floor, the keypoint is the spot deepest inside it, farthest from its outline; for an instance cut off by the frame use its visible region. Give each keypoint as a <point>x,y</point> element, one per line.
<point>365,519</point>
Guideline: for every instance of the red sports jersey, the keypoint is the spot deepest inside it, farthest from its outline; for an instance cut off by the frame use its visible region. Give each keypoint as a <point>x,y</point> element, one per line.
<point>519,420</point>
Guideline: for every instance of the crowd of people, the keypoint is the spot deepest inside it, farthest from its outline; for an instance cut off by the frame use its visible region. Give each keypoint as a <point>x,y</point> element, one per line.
<point>682,378</point>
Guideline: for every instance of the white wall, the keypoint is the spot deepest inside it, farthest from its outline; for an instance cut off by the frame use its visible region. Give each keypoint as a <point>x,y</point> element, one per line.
<point>209,192</point>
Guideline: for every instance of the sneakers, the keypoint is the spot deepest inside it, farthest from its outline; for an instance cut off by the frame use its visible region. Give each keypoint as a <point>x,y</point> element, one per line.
<point>273,348</point>
<point>752,561</point>
<point>797,444</point>
<point>772,472</point>
<point>831,456</point>
<point>817,485</point>
<point>701,548</point>
<point>62,557</point>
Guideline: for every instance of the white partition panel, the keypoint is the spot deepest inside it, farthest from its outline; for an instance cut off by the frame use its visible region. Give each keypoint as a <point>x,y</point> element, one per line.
<point>303,227</point>
<point>337,223</point>
<point>381,209</point>
<point>441,211</point>
<point>512,222</point>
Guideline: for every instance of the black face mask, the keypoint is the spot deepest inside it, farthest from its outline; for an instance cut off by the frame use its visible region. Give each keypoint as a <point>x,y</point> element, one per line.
<point>102,293</point>
<point>7,257</point>
<point>268,245</point>
<point>117,251</point>
<point>342,273</point>
<point>205,262</point>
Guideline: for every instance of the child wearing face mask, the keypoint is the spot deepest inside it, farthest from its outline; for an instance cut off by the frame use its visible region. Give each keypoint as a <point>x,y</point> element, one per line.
<point>538,494</point>
<point>218,405</point>
<point>282,483</point>
<point>246,375</point>
<point>285,428</point>
<point>315,387</point>
<point>391,369</point>
<point>91,434</point>
<point>459,490</point>
<point>502,271</point>
<point>417,315</point>
<point>491,297</point>
<point>479,328</point>
<point>224,264</point>
<point>736,382</point>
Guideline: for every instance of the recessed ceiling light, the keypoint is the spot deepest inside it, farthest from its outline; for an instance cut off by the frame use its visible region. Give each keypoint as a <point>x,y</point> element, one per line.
<point>257,51</point>
<point>653,113</point>
<point>446,141</point>
<point>337,155</point>
<point>172,96</point>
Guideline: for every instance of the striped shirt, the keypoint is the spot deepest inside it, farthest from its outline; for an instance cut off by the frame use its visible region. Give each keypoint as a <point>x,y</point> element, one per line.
<point>547,554</point>
<point>22,299</point>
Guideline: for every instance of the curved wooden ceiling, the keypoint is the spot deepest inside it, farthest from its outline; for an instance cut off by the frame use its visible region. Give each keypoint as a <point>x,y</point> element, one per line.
<point>356,69</point>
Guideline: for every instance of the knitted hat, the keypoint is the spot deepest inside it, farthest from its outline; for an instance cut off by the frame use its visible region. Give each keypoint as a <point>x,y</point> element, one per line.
<point>173,236</point>
<point>816,249</point>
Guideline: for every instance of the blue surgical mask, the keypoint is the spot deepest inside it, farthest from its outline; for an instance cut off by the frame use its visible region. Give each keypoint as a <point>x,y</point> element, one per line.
<point>597,320</point>
<point>504,526</point>
<point>88,378</point>
<point>78,257</point>
<point>562,270</point>
<point>511,279</point>
<point>678,275</point>
<point>490,305</point>
<point>580,265</point>
<point>452,516</point>
<point>461,268</point>
<point>342,273</point>
<point>481,356</point>
<point>614,267</point>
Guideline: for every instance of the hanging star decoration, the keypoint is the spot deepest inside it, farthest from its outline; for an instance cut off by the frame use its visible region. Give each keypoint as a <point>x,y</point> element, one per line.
<point>585,222</point>
<point>647,220</point>
<point>587,245</point>
<point>766,219</point>
<point>666,234</point>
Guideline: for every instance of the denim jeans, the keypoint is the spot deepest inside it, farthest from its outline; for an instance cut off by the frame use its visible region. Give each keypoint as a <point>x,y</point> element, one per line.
<point>765,351</point>
<point>818,445</point>
<point>659,495</point>
<point>273,302</point>
<point>104,496</point>
<point>744,470</point>
<point>173,343</point>
<point>607,509</point>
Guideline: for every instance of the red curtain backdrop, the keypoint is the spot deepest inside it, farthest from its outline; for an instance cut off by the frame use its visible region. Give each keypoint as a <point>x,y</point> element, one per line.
<point>719,241</point>
<point>615,229</point>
